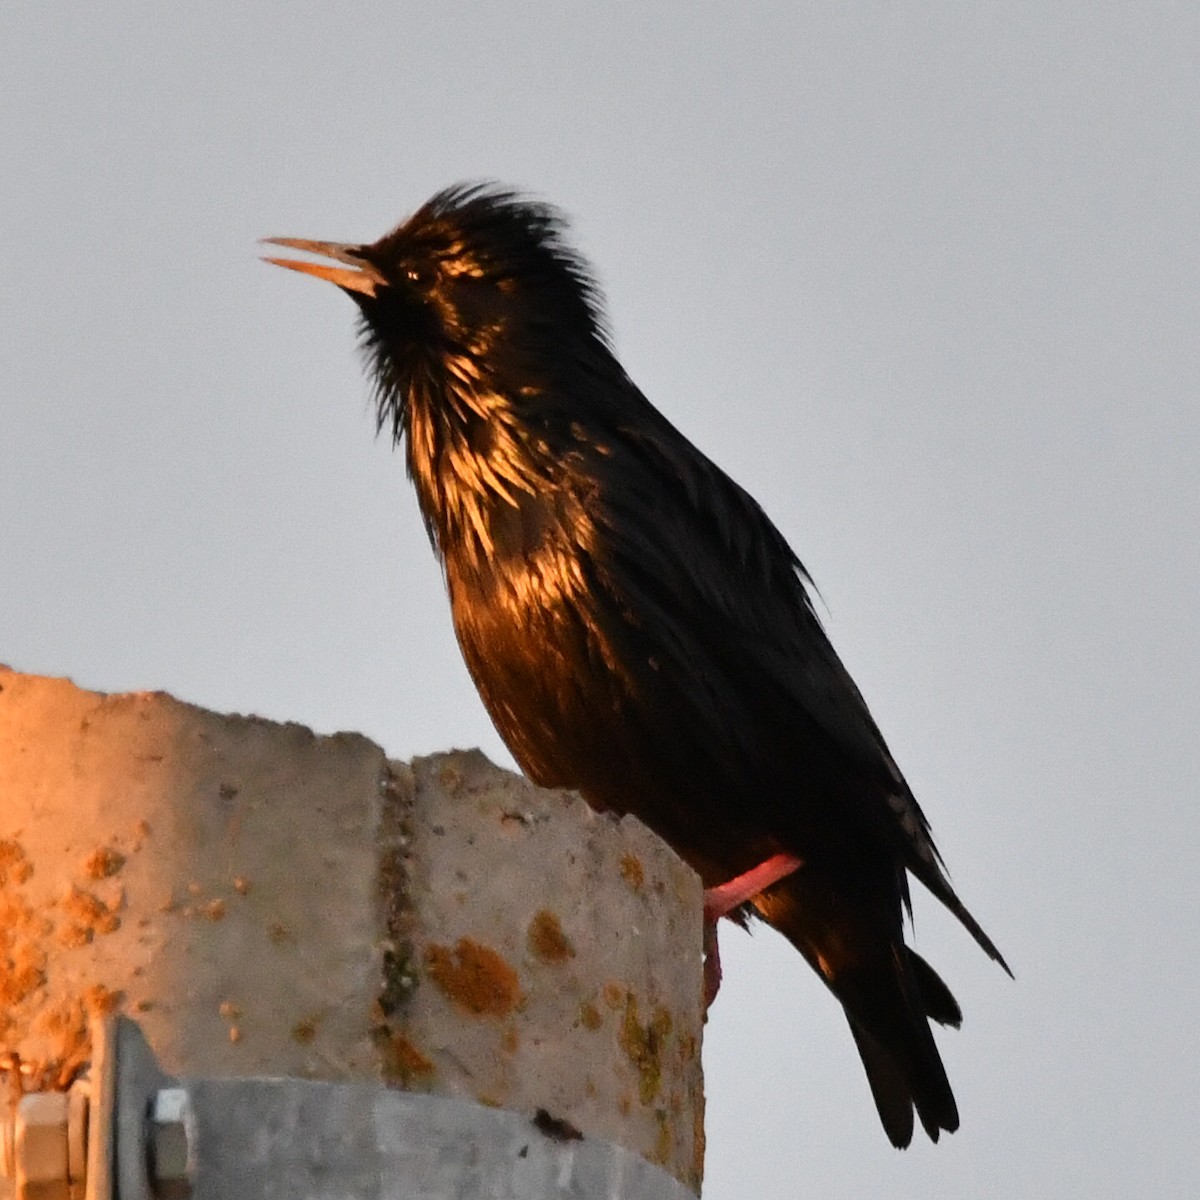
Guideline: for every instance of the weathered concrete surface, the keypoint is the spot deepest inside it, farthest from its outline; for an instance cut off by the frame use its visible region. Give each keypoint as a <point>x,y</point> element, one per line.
<point>265,901</point>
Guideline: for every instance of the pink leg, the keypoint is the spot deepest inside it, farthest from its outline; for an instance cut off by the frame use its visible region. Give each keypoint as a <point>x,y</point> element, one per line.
<point>721,900</point>
<point>725,897</point>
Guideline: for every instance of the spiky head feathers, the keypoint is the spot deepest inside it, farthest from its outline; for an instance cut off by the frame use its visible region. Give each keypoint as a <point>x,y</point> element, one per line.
<point>478,289</point>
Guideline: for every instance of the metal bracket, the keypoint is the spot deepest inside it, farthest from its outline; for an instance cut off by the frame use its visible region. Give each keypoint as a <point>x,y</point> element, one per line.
<point>151,1137</point>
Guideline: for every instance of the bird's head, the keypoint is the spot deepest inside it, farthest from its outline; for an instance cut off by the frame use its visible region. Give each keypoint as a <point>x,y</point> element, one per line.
<point>476,300</point>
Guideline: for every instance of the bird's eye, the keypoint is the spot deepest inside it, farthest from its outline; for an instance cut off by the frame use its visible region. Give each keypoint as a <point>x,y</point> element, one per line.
<point>416,275</point>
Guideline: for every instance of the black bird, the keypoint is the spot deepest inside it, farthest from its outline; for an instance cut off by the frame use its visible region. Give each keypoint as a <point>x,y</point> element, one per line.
<point>636,625</point>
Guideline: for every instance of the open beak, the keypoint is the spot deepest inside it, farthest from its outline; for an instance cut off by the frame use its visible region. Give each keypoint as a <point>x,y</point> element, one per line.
<point>358,276</point>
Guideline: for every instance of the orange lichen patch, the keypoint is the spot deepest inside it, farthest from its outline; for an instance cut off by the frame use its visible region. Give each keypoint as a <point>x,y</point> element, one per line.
<point>632,871</point>
<point>90,913</point>
<point>511,1041</point>
<point>235,1034</point>
<point>15,868</point>
<point>22,960</point>
<point>99,1001</point>
<point>71,937</point>
<point>214,910</point>
<point>613,995</point>
<point>65,1028</point>
<point>229,1010</point>
<point>195,888</point>
<point>404,1062</point>
<point>475,977</point>
<point>241,885</point>
<point>547,940</point>
<point>103,862</point>
<point>589,1016</point>
<point>644,1046</point>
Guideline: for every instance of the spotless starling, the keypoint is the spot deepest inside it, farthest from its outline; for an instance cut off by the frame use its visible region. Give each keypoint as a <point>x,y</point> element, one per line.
<point>636,625</point>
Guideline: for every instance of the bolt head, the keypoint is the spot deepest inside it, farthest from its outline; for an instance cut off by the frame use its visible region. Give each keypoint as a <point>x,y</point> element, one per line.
<point>171,1143</point>
<point>41,1145</point>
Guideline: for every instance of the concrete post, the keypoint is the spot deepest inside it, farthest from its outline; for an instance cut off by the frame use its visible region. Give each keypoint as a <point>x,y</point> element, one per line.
<point>264,901</point>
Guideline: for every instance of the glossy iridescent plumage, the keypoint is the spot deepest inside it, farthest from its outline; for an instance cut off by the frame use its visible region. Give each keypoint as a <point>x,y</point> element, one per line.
<point>636,625</point>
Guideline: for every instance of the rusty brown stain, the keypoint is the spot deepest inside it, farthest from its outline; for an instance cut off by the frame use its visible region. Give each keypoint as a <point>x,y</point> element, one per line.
<point>278,932</point>
<point>696,1171</point>
<point>589,1016</point>
<point>214,910</point>
<point>633,872</point>
<point>304,1032</point>
<point>547,940</point>
<point>475,977</point>
<point>664,1142</point>
<point>103,862</point>
<point>644,1046</point>
<point>613,995</point>
<point>511,1041</point>
<point>404,1062</point>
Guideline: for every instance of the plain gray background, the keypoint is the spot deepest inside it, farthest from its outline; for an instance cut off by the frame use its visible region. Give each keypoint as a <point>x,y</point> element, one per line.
<point>924,278</point>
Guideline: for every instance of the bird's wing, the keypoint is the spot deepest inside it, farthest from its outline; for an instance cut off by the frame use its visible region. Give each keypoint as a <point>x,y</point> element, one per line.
<point>715,588</point>
<point>708,575</point>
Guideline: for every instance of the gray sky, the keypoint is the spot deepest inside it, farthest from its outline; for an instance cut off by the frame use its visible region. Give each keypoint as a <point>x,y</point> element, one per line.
<point>924,278</point>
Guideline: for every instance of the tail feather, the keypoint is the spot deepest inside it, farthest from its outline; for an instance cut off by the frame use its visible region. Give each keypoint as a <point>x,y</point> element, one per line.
<point>888,991</point>
<point>934,879</point>
<point>888,1089</point>
<point>940,1004</point>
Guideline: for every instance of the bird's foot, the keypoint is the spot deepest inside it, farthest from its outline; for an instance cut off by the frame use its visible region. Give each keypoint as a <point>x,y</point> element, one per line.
<point>725,897</point>
<point>721,900</point>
